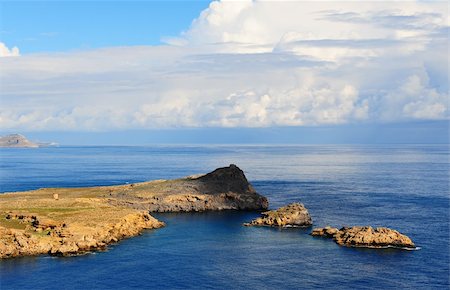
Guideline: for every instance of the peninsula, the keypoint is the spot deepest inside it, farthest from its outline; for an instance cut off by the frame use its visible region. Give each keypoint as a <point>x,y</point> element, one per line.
<point>70,221</point>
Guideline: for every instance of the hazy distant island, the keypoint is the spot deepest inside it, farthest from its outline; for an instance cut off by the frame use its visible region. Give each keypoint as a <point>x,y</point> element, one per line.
<point>20,141</point>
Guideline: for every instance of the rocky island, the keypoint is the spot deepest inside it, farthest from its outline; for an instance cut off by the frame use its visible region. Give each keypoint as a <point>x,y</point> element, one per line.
<point>70,221</point>
<point>366,237</point>
<point>292,215</point>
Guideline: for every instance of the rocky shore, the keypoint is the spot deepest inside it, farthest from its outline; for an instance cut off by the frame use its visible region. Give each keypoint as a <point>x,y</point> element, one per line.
<point>50,237</point>
<point>292,215</point>
<point>71,221</point>
<point>367,237</point>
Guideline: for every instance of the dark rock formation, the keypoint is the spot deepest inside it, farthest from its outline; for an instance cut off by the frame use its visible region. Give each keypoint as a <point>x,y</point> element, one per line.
<point>224,188</point>
<point>367,237</point>
<point>292,215</point>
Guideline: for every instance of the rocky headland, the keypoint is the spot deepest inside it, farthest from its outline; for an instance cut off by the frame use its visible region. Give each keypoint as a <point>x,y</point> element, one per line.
<point>366,237</point>
<point>292,215</point>
<point>224,188</point>
<point>70,221</point>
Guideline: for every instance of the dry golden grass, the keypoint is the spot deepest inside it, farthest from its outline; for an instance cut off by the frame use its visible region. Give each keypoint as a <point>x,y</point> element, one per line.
<point>75,206</point>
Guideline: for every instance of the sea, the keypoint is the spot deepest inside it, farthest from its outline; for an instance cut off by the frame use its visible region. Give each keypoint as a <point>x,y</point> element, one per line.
<point>404,187</point>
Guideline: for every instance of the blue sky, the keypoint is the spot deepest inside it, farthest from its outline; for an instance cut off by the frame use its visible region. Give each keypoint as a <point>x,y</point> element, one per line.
<point>42,26</point>
<point>226,68</point>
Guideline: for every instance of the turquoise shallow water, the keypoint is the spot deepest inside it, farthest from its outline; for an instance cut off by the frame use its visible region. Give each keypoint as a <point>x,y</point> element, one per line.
<point>403,186</point>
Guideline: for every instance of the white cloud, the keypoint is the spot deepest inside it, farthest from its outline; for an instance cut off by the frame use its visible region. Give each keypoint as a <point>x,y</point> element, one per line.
<point>5,51</point>
<point>249,64</point>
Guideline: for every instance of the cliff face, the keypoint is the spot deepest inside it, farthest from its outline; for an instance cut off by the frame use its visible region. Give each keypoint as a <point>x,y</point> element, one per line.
<point>16,140</point>
<point>69,221</point>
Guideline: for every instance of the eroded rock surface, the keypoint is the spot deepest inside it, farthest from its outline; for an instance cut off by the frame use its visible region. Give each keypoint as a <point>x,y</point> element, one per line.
<point>292,215</point>
<point>365,237</point>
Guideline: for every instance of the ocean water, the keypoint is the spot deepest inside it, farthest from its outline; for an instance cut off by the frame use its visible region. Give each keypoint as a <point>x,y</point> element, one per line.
<point>405,187</point>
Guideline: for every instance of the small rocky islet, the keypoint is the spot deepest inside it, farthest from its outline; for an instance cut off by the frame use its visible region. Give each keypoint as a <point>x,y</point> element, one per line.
<point>365,236</point>
<point>296,215</point>
<point>292,215</point>
<point>66,221</point>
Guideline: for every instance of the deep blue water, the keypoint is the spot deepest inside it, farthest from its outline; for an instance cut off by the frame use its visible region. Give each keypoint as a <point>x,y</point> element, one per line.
<point>400,186</point>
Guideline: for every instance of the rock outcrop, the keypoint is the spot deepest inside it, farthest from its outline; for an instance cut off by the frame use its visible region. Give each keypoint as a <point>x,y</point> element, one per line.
<point>367,237</point>
<point>49,237</point>
<point>292,215</point>
<point>223,189</point>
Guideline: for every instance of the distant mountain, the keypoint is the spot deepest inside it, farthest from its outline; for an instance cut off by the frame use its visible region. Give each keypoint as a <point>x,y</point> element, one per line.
<point>20,141</point>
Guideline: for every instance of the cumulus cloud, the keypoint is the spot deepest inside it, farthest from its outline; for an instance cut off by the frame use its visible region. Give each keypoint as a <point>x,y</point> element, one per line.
<point>5,51</point>
<point>246,64</point>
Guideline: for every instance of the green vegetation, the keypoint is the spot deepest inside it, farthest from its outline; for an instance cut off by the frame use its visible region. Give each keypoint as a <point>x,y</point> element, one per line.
<point>12,223</point>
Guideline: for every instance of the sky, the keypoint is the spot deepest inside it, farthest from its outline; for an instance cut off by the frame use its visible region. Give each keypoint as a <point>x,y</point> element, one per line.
<point>252,71</point>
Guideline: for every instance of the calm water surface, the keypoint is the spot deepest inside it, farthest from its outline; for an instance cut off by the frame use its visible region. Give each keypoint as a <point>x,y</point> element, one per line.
<point>403,186</point>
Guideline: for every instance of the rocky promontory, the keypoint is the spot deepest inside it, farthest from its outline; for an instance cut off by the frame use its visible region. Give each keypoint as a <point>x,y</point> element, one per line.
<point>367,237</point>
<point>292,215</point>
<point>224,188</point>
<point>71,221</point>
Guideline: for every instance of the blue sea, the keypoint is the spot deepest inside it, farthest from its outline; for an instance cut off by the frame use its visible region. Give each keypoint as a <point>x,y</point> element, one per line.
<point>405,187</point>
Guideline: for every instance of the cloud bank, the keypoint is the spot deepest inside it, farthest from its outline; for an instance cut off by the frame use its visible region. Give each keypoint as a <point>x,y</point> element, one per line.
<point>245,64</point>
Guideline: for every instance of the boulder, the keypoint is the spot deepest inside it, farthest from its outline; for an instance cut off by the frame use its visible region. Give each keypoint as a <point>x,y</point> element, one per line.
<point>292,215</point>
<point>366,236</point>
